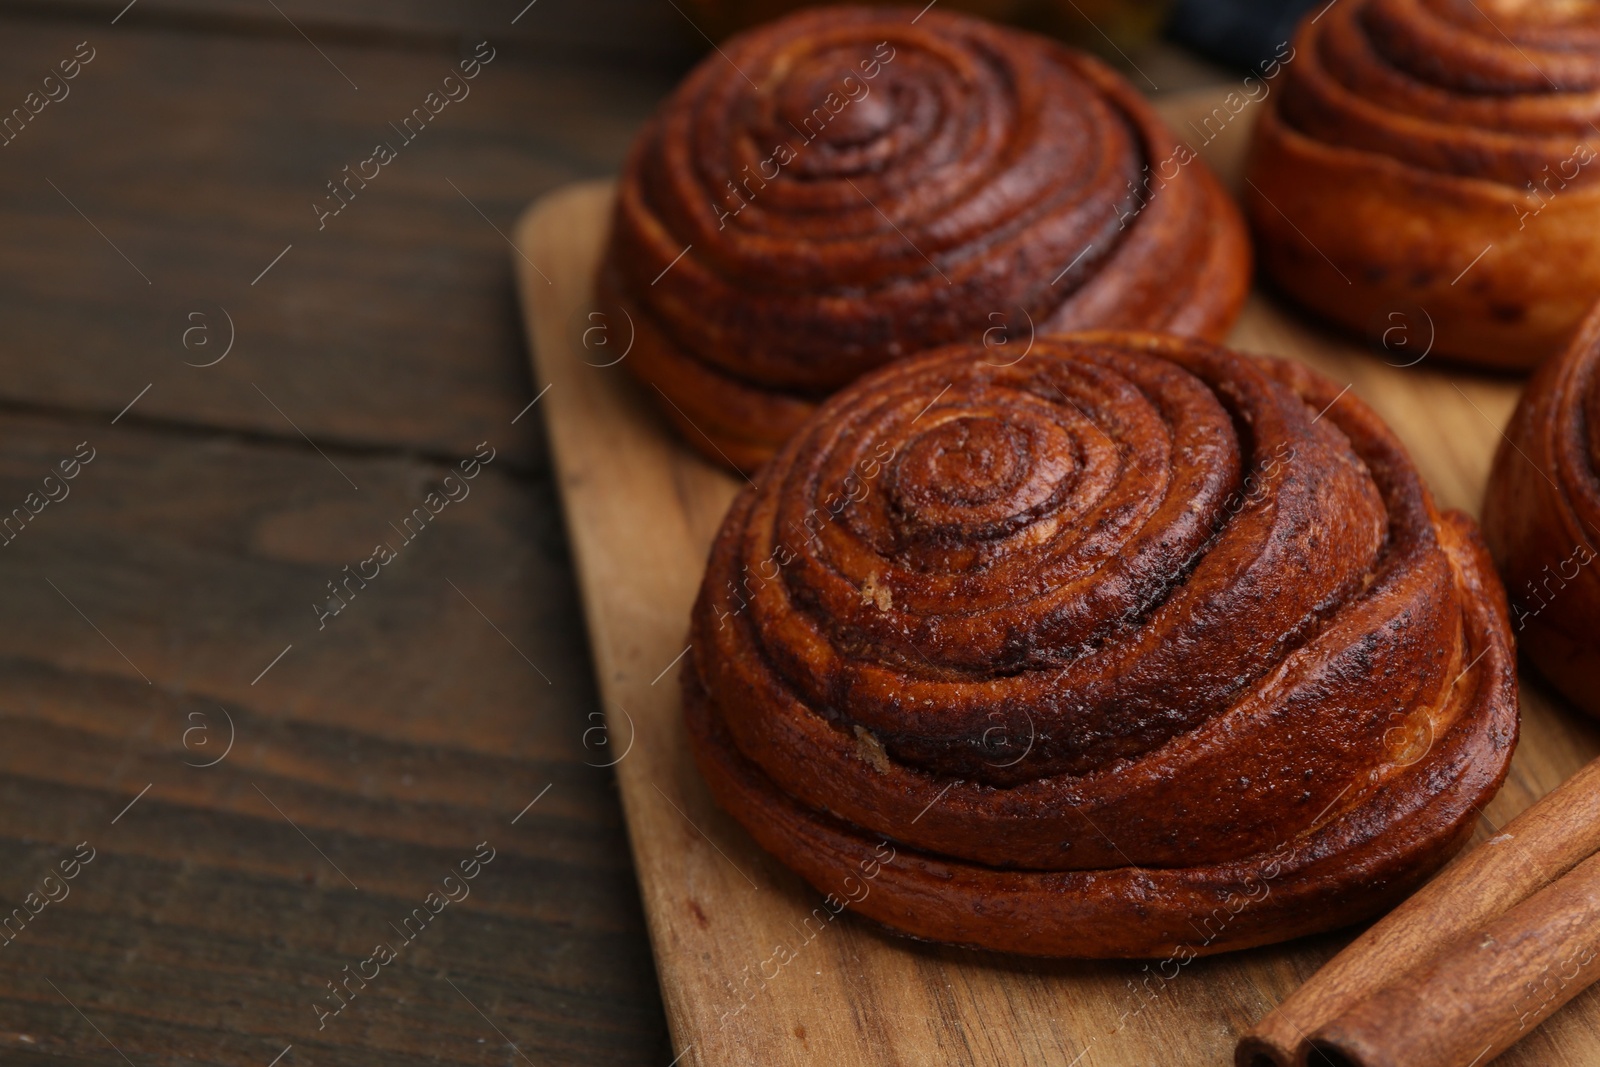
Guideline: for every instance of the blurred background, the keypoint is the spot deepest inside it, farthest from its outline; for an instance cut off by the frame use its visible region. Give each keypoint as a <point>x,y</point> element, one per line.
<point>269,364</point>
<point>1234,32</point>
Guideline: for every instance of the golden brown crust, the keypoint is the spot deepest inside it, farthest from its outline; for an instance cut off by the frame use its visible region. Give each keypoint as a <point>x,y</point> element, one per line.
<point>1437,155</point>
<point>1096,640</point>
<point>1541,518</point>
<point>843,187</point>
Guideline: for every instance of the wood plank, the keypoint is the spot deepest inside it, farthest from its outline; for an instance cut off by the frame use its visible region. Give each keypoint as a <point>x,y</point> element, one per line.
<point>199,157</point>
<point>641,510</point>
<point>376,753</point>
<point>632,29</point>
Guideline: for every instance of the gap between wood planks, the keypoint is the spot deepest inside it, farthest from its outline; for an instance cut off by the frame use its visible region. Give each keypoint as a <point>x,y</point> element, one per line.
<point>518,469</point>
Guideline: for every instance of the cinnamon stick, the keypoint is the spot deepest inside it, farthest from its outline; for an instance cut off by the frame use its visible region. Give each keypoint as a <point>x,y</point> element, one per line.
<point>1534,849</point>
<point>1471,1002</point>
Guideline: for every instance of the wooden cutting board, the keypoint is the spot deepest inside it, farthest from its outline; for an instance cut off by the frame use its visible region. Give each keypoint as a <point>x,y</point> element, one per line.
<point>641,510</point>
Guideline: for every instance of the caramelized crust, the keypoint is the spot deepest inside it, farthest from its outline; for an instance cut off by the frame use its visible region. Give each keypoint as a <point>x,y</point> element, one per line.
<point>1441,155</point>
<point>845,187</point>
<point>1101,642</point>
<point>1541,518</point>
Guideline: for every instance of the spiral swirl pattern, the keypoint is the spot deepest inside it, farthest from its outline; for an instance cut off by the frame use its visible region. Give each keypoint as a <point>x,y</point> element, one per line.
<point>1541,518</point>
<point>1095,639</point>
<point>1441,154</point>
<point>846,186</point>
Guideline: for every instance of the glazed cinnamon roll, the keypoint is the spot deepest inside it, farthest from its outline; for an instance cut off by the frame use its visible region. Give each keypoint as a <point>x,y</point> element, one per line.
<point>1437,155</point>
<point>1541,518</point>
<point>1136,647</point>
<point>847,186</point>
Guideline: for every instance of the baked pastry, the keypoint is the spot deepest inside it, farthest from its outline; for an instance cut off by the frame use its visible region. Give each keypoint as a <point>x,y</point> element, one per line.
<point>1120,650</point>
<point>1541,518</point>
<point>1436,156</point>
<point>847,186</point>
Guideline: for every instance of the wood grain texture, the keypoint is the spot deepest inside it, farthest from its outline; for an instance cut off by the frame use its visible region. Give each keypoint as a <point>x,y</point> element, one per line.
<point>641,510</point>
<point>412,727</point>
<point>376,753</point>
<point>198,156</point>
<point>632,29</point>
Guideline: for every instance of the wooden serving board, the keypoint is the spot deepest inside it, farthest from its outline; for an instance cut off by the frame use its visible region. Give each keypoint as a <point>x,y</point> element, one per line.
<point>742,983</point>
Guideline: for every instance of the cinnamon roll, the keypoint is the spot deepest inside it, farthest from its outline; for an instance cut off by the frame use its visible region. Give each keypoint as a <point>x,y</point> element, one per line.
<point>1137,647</point>
<point>1541,518</point>
<point>847,186</point>
<point>1441,155</point>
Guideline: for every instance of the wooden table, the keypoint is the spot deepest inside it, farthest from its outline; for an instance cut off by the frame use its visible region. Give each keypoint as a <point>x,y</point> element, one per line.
<point>142,212</point>
<point>270,789</point>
